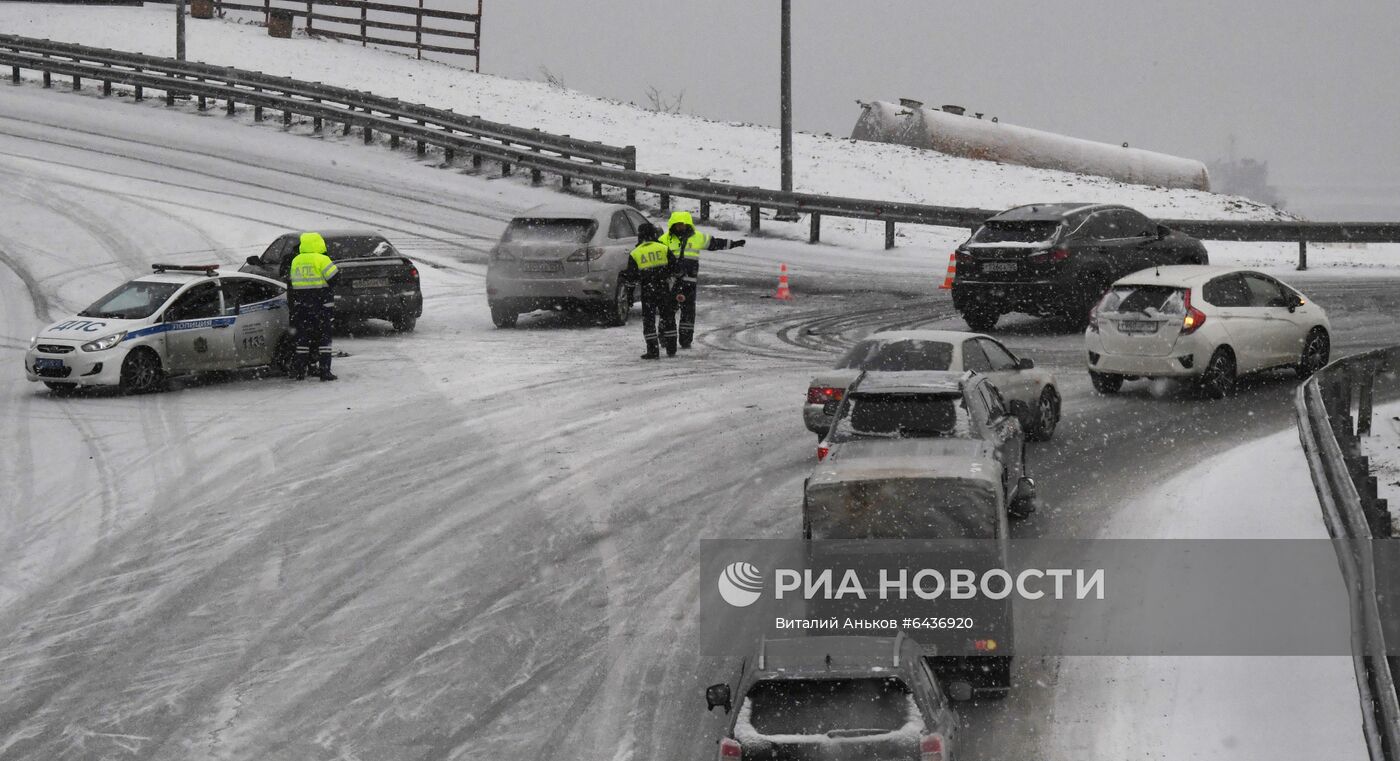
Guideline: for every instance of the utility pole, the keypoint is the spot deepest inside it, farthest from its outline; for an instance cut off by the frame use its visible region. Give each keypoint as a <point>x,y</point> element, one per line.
<point>786,108</point>
<point>180,30</point>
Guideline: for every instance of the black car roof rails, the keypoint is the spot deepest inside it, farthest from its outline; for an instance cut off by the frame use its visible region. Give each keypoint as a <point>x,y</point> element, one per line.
<point>207,269</point>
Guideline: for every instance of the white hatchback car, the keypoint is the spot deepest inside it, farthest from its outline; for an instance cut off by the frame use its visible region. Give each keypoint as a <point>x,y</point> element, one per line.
<point>174,321</point>
<point>1210,324</point>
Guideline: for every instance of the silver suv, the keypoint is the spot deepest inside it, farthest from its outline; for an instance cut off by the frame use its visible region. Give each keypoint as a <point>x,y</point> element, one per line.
<point>564,257</point>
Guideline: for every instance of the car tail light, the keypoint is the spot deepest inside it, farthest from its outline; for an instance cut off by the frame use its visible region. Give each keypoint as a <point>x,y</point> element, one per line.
<point>824,394</point>
<point>822,451</point>
<point>1049,257</point>
<point>586,254</point>
<point>962,258</point>
<point>1194,318</point>
<point>1094,313</point>
<point>985,645</point>
<point>729,748</point>
<point>931,747</point>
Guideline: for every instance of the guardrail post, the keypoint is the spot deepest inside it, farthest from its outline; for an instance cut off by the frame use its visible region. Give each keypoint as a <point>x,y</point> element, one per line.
<point>597,189</point>
<point>1364,406</point>
<point>536,177</point>
<point>394,141</point>
<point>169,98</point>
<point>369,134</point>
<point>77,82</point>
<point>889,234</point>
<point>422,148</point>
<point>140,93</point>
<point>629,159</point>
<point>505,168</point>
<point>816,235</point>
<point>476,161</point>
<point>14,75</point>
<point>632,196</point>
<point>704,211</point>
<point>1302,255</point>
<point>257,113</point>
<point>48,79</point>
<point>753,218</point>
<point>447,154</point>
<point>286,118</point>
<point>229,107</point>
<point>665,201</point>
<point>106,87</point>
<point>201,103</point>
<point>565,181</point>
<point>316,124</point>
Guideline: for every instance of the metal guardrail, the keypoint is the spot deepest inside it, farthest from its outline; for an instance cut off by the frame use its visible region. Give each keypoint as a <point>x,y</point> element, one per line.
<point>1355,518</point>
<point>560,155</point>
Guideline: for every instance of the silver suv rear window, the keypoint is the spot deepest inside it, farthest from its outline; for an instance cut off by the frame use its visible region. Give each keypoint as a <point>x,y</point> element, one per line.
<point>524,229</point>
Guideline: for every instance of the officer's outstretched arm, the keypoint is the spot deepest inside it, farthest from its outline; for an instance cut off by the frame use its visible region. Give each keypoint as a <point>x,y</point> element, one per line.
<point>720,244</point>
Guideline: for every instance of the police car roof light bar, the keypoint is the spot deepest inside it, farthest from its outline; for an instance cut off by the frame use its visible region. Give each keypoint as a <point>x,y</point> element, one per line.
<point>208,269</point>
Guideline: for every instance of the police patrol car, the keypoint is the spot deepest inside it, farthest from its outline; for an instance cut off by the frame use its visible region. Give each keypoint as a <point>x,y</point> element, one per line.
<point>175,321</point>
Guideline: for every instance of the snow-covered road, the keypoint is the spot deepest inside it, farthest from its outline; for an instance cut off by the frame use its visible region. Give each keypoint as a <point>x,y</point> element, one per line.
<point>479,543</point>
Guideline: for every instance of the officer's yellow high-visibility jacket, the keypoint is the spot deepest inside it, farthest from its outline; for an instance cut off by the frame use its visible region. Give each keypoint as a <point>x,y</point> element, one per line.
<point>311,268</point>
<point>691,247</point>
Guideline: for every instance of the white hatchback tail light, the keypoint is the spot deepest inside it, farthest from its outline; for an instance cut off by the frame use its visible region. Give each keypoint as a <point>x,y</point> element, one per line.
<point>730,749</point>
<point>931,748</point>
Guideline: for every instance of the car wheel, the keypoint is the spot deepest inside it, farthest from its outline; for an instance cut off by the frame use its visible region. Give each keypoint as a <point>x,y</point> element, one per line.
<point>1047,415</point>
<point>1317,351</point>
<point>981,319</point>
<point>504,316</point>
<point>1218,380</point>
<point>405,323</point>
<point>1106,383</point>
<point>61,389</point>
<point>620,308</point>
<point>141,372</point>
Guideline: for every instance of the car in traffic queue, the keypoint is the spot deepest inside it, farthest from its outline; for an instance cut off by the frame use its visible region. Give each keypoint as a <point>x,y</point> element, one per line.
<point>1057,260</point>
<point>375,281</point>
<point>177,320</point>
<point>927,456</point>
<point>565,257</point>
<point>932,423</point>
<point>1031,393</point>
<point>1209,325</point>
<point>837,697</point>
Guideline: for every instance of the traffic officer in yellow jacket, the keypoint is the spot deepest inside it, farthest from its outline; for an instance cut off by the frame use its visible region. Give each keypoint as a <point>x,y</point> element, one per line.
<point>653,267</point>
<point>312,305</point>
<point>686,243</point>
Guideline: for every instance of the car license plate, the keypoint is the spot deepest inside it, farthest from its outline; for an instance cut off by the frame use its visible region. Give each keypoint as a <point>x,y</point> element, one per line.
<point>371,282</point>
<point>528,266</point>
<point>1137,327</point>
<point>999,266</point>
<point>41,363</point>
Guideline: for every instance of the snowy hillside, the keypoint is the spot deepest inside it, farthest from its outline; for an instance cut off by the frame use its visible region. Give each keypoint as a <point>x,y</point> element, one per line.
<point>686,146</point>
<point>680,145</point>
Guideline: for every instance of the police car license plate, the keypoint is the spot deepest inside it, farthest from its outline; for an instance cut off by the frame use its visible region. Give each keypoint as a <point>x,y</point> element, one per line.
<point>371,282</point>
<point>41,363</point>
<point>528,266</point>
<point>999,266</point>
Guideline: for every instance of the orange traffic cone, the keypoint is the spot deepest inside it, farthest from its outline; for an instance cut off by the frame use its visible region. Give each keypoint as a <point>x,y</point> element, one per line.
<point>783,293</point>
<point>952,271</point>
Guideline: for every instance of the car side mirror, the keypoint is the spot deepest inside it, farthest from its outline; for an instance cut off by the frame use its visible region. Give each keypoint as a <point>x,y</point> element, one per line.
<point>254,261</point>
<point>1025,364</point>
<point>717,695</point>
<point>960,691</point>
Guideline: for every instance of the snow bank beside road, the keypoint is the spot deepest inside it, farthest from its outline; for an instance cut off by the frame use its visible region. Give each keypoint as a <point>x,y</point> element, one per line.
<point>1244,709</point>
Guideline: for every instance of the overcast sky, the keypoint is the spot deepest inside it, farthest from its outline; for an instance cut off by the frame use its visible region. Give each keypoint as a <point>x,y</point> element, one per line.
<point>1311,87</point>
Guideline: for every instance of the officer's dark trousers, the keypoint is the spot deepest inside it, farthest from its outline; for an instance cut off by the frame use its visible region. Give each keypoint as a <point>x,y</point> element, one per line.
<point>312,310</point>
<point>690,274</point>
<point>658,316</point>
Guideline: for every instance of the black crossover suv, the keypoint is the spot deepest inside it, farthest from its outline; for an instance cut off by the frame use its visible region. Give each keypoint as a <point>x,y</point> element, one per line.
<point>1057,260</point>
<point>375,280</point>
